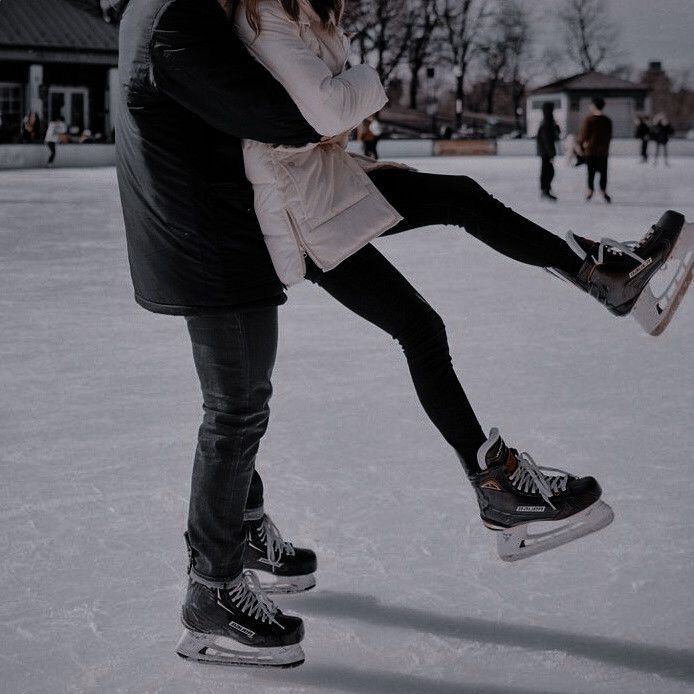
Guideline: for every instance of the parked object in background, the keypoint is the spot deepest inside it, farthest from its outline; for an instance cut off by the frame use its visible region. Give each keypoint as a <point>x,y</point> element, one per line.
<point>643,133</point>
<point>661,132</point>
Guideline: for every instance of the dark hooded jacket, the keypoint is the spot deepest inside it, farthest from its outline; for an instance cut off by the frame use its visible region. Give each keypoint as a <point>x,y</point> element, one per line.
<point>189,91</point>
<point>547,134</point>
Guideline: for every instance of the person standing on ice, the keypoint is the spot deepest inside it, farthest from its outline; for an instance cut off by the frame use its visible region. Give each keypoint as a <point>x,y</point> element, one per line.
<point>547,136</point>
<point>593,139</point>
<point>195,250</point>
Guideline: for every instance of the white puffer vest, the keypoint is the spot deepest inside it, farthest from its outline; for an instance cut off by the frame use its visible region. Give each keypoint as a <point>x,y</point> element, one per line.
<point>315,200</point>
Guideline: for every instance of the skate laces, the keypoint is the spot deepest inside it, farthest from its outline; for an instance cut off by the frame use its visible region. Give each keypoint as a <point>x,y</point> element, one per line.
<point>618,248</point>
<point>250,598</point>
<point>530,478</point>
<point>276,546</point>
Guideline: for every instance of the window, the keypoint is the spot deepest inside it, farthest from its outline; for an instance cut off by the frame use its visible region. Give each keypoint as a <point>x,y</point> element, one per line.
<point>575,104</point>
<point>11,102</point>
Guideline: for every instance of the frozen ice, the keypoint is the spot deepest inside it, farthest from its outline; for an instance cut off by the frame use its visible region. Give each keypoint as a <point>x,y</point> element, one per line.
<point>98,413</point>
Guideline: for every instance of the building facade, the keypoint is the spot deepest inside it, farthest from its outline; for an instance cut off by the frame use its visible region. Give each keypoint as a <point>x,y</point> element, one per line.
<point>57,57</point>
<point>572,97</point>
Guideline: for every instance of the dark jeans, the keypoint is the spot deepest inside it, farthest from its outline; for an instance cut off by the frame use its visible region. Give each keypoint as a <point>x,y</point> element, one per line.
<point>371,287</point>
<point>644,149</point>
<point>546,175</point>
<point>234,356</point>
<point>597,165</point>
<point>51,152</point>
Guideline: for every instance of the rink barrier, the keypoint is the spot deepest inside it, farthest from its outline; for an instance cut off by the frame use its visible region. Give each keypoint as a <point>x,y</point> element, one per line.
<point>72,156</point>
<point>67,156</point>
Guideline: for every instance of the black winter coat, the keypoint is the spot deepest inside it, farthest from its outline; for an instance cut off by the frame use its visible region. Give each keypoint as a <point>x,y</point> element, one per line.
<point>189,92</point>
<point>547,136</point>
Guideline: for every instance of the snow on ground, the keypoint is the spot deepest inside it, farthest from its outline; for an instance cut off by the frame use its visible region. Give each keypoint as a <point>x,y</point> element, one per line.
<point>98,412</point>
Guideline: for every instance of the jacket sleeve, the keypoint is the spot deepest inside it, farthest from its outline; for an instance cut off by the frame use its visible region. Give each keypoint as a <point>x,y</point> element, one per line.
<point>331,103</point>
<point>199,61</point>
<point>583,133</point>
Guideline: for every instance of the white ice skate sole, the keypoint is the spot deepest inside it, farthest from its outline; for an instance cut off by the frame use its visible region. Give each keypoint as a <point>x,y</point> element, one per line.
<point>274,585</point>
<point>654,309</point>
<point>213,648</point>
<point>519,542</point>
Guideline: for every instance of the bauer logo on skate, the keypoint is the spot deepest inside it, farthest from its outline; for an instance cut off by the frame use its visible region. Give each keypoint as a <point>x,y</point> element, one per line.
<point>641,267</point>
<point>242,629</point>
<point>531,509</point>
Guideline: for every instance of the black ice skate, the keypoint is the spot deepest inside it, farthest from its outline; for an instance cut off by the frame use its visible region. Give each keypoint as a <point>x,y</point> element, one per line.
<point>515,494</point>
<point>284,568</point>
<point>619,274</point>
<point>238,625</point>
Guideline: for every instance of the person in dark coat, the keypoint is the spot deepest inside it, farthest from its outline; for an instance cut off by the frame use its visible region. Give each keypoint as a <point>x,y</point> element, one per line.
<point>189,91</point>
<point>547,136</point>
<point>662,132</point>
<point>594,139</point>
<point>643,133</point>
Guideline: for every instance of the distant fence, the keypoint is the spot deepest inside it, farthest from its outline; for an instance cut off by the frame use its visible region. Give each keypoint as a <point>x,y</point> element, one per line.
<point>67,156</point>
<point>71,156</point>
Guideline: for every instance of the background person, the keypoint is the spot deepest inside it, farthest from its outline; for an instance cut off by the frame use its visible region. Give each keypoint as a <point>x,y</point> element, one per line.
<point>369,133</point>
<point>31,128</point>
<point>55,133</point>
<point>662,132</point>
<point>643,133</point>
<point>594,137</point>
<point>547,136</point>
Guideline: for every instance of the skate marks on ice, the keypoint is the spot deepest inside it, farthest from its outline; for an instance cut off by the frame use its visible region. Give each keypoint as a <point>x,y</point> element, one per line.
<point>657,660</point>
<point>334,678</point>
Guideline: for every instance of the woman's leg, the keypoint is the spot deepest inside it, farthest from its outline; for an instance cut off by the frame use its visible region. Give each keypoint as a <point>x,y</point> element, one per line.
<point>424,199</point>
<point>367,284</point>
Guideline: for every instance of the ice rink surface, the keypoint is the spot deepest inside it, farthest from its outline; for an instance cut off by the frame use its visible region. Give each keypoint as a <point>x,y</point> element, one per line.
<point>99,407</point>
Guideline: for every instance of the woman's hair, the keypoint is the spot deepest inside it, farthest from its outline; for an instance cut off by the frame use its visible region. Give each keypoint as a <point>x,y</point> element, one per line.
<point>329,11</point>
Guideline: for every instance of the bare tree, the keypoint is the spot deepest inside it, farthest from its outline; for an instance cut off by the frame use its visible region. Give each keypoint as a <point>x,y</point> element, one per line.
<point>381,32</point>
<point>521,62</point>
<point>590,33</point>
<point>422,20</point>
<point>462,23</point>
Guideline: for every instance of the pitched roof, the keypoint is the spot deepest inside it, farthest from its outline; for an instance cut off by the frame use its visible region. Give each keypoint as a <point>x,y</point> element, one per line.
<point>54,25</point>
<point>590,81</point>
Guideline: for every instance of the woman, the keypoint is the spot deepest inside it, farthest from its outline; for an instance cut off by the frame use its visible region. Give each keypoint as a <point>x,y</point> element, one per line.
<point>546,138</point>
<point>319,207</point>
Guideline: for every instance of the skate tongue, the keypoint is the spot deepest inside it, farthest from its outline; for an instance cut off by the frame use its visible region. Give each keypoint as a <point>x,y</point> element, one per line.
<point>494,452</point>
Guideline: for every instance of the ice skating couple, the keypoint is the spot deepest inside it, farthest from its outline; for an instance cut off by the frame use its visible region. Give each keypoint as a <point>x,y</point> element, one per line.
<point>236,185</point>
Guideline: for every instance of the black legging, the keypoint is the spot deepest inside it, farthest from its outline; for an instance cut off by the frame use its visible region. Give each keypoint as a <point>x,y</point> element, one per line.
<point>371,287</point>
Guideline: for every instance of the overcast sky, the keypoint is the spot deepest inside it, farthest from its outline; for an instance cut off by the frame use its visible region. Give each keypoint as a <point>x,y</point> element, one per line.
<point>650,30</point>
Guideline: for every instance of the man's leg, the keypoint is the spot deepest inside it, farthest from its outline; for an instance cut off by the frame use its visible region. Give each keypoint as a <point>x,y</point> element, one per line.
<point>603,174</point>
<point>590,164</point>
<point>234,355</point>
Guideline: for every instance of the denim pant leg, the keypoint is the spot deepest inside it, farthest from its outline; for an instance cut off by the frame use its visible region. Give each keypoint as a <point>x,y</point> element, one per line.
<point>234,355</point>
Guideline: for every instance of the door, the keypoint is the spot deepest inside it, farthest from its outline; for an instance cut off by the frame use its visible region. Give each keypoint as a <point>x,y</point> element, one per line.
<point>73,103</point>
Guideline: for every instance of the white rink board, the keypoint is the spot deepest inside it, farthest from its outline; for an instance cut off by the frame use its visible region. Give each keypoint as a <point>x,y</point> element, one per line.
<point>99,408</point>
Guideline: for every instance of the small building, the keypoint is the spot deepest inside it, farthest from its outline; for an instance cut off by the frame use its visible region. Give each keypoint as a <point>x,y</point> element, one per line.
<point>57,56</point>
<point>572,96</point>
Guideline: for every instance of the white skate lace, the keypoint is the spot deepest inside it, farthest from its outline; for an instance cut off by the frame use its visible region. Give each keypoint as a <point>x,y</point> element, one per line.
<point>530,478</point>
<point>249,597</point>
<point>276,546</point>
<point>618,248</point>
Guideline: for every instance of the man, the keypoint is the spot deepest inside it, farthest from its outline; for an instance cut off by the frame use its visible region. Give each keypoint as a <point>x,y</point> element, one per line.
<point>594,139</point>
<point>547,136</point>
<point>189,92</point>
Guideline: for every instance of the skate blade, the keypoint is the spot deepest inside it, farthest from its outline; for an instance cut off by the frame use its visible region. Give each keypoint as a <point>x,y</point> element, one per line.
<point>213,648</point>
<point>654,311</point>
<point>275,585</point>
<point>519,543</point>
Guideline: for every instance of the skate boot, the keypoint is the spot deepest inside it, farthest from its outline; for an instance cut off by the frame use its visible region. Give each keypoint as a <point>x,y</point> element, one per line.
<point>238,625</point>
<point>618,274</point>
<point>283,568</point>
<point>515,494</point>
